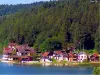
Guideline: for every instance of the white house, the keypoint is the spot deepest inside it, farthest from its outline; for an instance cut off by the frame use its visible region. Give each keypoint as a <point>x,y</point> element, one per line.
<point>82,56</point>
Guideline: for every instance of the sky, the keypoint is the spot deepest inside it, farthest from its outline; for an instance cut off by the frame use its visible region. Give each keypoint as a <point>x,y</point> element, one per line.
<point>19,1</point>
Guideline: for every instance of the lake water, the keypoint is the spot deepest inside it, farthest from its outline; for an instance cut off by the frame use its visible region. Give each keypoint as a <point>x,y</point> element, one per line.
<point>11,69</point>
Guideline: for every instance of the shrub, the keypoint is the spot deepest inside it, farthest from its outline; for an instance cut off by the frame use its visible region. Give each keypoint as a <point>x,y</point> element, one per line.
<point>96,71</point>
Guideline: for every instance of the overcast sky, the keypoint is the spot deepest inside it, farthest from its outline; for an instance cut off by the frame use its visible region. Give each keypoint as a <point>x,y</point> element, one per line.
<point>19,1</point>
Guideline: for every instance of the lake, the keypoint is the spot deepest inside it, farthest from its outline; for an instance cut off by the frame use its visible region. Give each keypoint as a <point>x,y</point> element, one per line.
<point>11,69</point>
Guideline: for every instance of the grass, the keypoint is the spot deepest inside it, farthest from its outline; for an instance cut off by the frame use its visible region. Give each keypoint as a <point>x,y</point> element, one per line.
<point>37,64</point>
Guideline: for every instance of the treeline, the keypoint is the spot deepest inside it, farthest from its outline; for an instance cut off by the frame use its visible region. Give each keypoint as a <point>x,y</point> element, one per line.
<point>11,9</point>
<point>55,25</point>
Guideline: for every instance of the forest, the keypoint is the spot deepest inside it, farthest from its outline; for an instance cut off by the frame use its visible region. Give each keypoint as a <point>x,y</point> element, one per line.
<point>53,25</point>
<point>11,9</point>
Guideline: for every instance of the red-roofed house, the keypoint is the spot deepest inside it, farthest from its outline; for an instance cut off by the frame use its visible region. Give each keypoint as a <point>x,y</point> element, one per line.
<point>45,54</point>
<point>45,57</point>
<point>7,50</point>
<point>94,57</point>
<point>58,55</point>
<point>15,51</point>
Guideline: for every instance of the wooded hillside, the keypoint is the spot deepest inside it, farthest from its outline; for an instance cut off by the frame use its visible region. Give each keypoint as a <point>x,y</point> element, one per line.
<point>54,25</point>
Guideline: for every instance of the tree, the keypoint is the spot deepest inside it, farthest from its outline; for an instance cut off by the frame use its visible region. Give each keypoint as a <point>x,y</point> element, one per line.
<point>51,44</point>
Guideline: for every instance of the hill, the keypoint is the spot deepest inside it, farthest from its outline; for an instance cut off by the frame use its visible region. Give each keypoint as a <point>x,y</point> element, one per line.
<point>55,25</point>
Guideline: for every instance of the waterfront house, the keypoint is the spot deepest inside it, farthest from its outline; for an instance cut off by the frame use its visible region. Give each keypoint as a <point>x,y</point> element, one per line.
<point>25,52</point>
<point>82,56</point>
<point>45,57</point>
<point>57,55</point>
<point>94,57</point>
<point>7,52</point>
<point>75,57</point>
<point>60,55</point>
<point>18,52</point>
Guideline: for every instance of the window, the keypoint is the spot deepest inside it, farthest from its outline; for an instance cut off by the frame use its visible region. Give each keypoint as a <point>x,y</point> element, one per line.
<point>81,56</point>
<point>84,57</point>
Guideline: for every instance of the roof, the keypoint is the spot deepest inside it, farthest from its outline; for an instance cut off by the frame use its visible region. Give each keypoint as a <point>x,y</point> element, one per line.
<point>45,54</point>
<point>12,44</point>
<point>81,53</point>
<point>58,52</point>
<point>95,54</point>
<point>22,48</point>
<point>7,50</point>
<point>71,54</point>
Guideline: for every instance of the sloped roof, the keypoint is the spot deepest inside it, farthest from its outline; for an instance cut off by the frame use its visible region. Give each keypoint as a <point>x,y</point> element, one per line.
<point>22,48</point>
<point>12,44</point>
<point>58,52</point>
<point>71,54</point>
<point>45,54</point>
<point>82,53</point>
<point>7,50</point>
<point>95,54</point>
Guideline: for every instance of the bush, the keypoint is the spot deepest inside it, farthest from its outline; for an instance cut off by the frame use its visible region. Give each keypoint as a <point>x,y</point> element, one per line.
<point>63,62</point>
<point>86,61</point>
<point>96,71</point>
<point>54,60</point>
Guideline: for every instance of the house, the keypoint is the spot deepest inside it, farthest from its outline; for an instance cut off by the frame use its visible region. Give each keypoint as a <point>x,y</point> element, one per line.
<point>17,52</point>
<point>75,57</point>
<point>7,52</point>
<point>25,52</point>
<point>94,57</point>
<point>70,57</point>
<point>45,57</point>
<point>58,55</point>
<point>82,56</point>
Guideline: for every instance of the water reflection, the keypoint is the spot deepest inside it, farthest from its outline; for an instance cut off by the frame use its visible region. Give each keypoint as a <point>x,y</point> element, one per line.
<point>25,69</point>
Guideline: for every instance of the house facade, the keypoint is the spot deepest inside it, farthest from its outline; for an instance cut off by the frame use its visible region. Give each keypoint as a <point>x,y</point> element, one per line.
<point>94,57</point>
<point>45,57</point>
<point>82,56</point>
<point>57,55</point>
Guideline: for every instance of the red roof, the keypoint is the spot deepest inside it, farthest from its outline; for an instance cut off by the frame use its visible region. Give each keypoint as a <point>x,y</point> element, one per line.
<point>71,54</point>
<point>95,54</point>
<point>58,52</point>
<point>45,54</point>
<point>7,50</point>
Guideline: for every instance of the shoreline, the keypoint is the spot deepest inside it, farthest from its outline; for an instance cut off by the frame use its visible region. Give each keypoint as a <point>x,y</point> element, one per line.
<point>53,64</point>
